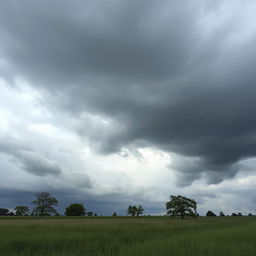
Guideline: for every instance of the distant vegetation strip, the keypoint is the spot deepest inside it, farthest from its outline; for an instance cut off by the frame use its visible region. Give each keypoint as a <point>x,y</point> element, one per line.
<point>45,206</point>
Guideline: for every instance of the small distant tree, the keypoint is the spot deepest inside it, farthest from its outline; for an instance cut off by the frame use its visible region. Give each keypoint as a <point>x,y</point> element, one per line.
<point>234,214</point>
<point>135,210</point>
<point>210,214</point>
<point>44,204</point>
<point>222,214</point>
<point>95,215</point>
<point>114,214</point>
<point>139,211</point>
<point>4,212</point>
<point>90,214</point>
<point>132,210</point>
<point>249,214</point>
<point>181,206</point>
<point>21,210</point>
<point>11,214</point>
<point>239,214</point>
<point>75,210</point>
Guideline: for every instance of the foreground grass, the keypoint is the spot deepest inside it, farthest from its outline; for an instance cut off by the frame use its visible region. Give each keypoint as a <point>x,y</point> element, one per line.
<point>151,236</point>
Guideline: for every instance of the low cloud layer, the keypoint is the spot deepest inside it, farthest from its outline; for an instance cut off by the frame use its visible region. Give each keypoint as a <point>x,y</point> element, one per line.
<point>172,76</point>
<point>30,161</point>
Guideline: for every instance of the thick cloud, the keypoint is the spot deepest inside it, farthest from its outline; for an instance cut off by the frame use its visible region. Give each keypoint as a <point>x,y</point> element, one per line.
<point>59,41</point>
<point>39,165</point>
<point>174,75</point>
<point>30,161</point>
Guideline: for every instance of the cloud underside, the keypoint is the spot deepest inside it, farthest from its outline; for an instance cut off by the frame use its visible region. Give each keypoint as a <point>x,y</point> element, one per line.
<point>177,76</point>
<point>27,158</point>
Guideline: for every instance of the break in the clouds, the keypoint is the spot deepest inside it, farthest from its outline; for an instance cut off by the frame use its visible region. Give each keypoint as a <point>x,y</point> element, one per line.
<point>173,77</point>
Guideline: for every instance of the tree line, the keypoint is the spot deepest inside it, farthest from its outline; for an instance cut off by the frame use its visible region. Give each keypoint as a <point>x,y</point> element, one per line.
<point>45,206</point>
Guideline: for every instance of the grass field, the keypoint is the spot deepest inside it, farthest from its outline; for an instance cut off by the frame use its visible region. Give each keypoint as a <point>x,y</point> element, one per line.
<point>124,236</point>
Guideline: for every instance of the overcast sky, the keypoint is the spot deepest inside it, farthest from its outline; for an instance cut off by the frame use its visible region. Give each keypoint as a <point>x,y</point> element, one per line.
<point>111,103</point>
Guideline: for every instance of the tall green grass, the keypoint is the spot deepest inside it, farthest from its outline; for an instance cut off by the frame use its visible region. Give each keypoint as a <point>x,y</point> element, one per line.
<point>149,236</point>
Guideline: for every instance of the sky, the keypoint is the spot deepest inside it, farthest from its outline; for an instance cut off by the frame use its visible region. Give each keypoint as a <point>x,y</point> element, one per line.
<point>112,103</point>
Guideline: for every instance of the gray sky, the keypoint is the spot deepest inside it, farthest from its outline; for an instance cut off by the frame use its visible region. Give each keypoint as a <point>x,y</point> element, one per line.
<point>112,103</point>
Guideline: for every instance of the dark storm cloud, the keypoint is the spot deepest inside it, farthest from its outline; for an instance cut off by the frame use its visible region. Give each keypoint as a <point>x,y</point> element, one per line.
<point>58,41</point>
<point>155,70</point>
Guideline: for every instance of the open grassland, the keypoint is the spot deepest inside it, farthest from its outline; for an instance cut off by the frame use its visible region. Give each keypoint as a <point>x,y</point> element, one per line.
<point>151,236</point>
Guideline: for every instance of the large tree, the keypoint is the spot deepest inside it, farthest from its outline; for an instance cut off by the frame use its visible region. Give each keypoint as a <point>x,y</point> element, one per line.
<point>75,210</point>
<point>181,206</point>
<point>21,210</point>
<point>44,204</point>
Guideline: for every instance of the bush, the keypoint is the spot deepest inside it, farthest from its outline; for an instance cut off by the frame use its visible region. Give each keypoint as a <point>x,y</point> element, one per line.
<point>210,214</point>
<point>75,210</point>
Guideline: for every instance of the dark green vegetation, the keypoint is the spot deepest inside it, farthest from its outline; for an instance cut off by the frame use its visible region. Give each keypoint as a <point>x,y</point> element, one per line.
<point>135,210</point>
<point>44,204</point>
<point>210,214</point>
<point>151,236</point>
<point>75,210</point>
<point>181,206</point>
<point>21,210</point>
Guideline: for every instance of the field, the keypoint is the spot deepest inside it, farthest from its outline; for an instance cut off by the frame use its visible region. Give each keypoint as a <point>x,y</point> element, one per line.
<point>151,236</point>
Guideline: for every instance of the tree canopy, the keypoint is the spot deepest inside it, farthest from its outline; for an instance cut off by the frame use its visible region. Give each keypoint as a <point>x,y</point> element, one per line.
<point>44,204</point>
<point>210,214</point>
<point>75,210</point>
<point>21,210</point>
<point>135,210</point>
<point>4,212</point>
<point>140,210</point>
<point>181,206</point>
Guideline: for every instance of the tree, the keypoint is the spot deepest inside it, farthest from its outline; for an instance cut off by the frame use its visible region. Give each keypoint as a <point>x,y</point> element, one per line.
<point>114,214</point>
<point>181,206</point>
<point>249,214</point>
<point>222,214</point>
<point>135,210</point>
<point>21,210</point>
<point>4,212</point>
<point>210,214</point>
<point>132,210</point>
<point>234,214</point>
<point>75,210</point>
<point>140,210</point>
<point>90,214</point>
<point>240,214</point>
<point>44,204</point>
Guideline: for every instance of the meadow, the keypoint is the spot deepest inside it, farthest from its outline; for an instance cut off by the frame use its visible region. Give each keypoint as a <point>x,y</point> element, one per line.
<point>123,236</point>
